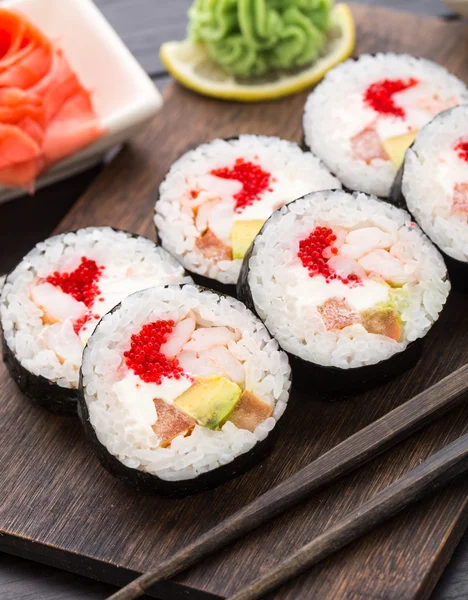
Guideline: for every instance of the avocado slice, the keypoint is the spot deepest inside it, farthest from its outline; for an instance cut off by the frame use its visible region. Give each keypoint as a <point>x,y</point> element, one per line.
<point>210,400</point>
<point>396,147</point>
<point>242,236</point>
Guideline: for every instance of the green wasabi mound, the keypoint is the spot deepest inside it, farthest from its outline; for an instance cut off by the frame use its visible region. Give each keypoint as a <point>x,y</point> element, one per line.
<point>251,38</point>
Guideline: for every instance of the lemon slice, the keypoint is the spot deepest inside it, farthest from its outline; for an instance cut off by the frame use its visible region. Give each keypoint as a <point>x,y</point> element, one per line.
<point>190,64</point>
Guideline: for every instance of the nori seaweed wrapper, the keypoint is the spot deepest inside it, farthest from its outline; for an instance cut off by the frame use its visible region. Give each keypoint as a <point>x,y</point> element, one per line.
<point>333,381</point>
<point>46,393</point>
<point>458,269</point>
<point>43,392</point>
<point>148,483</point>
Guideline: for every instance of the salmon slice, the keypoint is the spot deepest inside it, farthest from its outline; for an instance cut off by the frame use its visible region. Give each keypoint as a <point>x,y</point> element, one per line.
<point>460,199</point>
<point>367,146</point>
<point>337,314</point>
<point>212,247</point>
<point>250,411</point>
<point>382,322</point>
<point>171,422</point>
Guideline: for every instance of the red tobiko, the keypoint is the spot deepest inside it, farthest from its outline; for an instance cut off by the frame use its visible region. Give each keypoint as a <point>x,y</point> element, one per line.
<point>462,150</point>
<point>81,284</point>
<point>380,94</point>
<point>254,181</point>
<point>311,251</point>
<point>145,358</point>
<point>80,323</point>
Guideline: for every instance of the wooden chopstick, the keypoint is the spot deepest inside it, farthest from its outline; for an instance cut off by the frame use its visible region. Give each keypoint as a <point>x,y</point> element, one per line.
<point>340,460</point>
<point>435,472</point>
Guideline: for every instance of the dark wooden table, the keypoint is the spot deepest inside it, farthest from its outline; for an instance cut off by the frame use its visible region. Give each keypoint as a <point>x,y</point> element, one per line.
<point>143,24</point>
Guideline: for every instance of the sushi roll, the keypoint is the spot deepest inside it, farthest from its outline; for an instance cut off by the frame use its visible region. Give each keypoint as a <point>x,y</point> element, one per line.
<point>365,114</point>
<point>215,199</point>
<point>348,285</point>
<point>433,186</point>
<point>52,301</point>
<point>181,389</point>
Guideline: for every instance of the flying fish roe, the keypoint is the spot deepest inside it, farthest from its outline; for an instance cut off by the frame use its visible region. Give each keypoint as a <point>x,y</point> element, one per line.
<point>462,150</point>
<point>82,284</point>
<point>311,250</point>
<point>144,357</point>
<point>254,181</point>
<point>379,95</point>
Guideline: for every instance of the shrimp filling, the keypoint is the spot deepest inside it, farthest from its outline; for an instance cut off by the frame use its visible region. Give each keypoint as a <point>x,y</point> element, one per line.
<point>182,374</point>
<point>345,280</point>
<point>365,115</point>
<point>227,199</point>
<point>216,198</point>
<point>353,275</point>
<point>55,297</point>
<point>460,189</point>
<point>399,108</point>
<point>81,296</point>
<point>451,174</point>
<point>254,181</point>
<point>82,285</point>
<point>229,206</point>
<point>179,381</point>
<point>435,181</point>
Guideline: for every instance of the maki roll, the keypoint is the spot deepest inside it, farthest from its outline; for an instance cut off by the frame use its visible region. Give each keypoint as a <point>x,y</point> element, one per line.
<point>347,284</point>
<point>52,301</point>
<point>215,199</point>
<point>433,185</point>
<point>365,114</point>
<point>181,389</point>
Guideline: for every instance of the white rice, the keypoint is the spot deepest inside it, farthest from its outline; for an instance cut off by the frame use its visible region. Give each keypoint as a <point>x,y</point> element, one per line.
<point>285,296</point>
<point>335,112</point>
<point>431,171</point>
<point>22,320</point>
<point>296,173</point>
<point>131,438</point>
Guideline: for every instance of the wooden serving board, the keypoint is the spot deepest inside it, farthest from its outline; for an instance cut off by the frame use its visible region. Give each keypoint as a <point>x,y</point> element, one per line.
<point>58,506</point>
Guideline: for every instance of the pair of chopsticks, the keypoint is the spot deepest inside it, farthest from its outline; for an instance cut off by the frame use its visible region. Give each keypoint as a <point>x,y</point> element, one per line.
<point>355,451</point>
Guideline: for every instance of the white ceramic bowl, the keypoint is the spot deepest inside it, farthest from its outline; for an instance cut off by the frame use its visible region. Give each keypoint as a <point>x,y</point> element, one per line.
<point>458,6</point>
<point>124,97</point>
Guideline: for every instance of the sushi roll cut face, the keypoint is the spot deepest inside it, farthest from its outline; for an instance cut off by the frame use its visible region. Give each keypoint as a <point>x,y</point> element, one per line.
<point>435,181</point>
<point>216,198</point>
<point>365,114</point>
<point>345,280</point>
<point>52,301</point>
<point>178,382</point>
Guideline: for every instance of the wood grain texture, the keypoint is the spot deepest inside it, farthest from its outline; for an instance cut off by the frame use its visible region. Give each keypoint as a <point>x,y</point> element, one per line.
<point>442,467</point>
<point>353,452</point>
<point>54,491</point>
